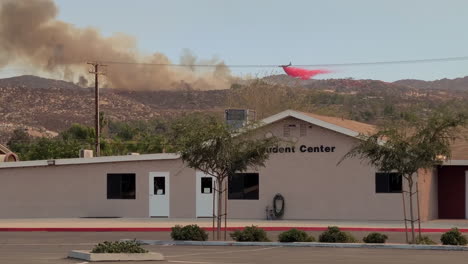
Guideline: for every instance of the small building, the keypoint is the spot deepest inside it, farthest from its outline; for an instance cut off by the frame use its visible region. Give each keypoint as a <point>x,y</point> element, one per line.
<point>7,155</point>
<point>304,172</point>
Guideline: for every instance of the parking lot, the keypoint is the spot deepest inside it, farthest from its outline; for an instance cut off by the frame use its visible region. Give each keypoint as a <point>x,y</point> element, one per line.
<point>52,247</point>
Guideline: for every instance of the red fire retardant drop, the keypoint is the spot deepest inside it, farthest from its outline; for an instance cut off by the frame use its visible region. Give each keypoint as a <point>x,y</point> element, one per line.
<point>303,73</point>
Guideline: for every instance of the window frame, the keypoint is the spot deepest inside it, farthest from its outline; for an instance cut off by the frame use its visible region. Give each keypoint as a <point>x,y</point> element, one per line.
<point>122,194</point>
<point>389,177</point>
<point>244,196</point>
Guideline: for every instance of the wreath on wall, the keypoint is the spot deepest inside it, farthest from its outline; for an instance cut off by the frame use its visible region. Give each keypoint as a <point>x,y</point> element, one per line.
<point>279,212</point>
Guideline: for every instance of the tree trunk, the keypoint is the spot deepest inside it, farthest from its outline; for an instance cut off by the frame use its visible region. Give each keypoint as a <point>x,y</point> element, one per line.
<point>220,209</point>
<point>410,185</point>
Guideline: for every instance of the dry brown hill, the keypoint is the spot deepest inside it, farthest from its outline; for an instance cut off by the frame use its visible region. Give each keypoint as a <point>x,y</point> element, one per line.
<point>47,106</point>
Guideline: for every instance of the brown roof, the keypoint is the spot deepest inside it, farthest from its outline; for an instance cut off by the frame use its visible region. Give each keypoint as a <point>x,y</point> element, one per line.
<point>459,146</point>
<point>356,126</point>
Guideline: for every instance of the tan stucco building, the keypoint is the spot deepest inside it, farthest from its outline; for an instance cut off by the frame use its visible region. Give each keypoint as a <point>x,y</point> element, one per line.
<point>305,173</point>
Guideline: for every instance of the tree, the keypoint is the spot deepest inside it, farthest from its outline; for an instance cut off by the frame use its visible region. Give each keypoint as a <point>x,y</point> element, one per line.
<point>208,145</point>
<point>407,147</point>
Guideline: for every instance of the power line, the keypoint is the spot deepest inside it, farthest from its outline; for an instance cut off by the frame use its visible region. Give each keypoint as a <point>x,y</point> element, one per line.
<point>431,60</point>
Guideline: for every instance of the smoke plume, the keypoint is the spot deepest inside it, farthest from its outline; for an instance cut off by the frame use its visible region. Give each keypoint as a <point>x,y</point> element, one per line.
<point>30,34</point>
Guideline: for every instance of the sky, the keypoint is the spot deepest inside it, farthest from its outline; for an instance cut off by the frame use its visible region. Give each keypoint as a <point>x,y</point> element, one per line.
<point>297,31</point>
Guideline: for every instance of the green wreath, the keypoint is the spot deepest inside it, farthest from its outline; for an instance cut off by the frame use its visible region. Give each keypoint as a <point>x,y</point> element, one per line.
<point>278,213</point>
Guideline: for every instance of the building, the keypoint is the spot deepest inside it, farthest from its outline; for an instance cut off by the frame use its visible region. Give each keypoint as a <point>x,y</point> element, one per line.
<point>7,155</point>
<point>305,173</point>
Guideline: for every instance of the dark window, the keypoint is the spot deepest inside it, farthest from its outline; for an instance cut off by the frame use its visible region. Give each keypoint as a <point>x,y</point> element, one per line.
<point>121,186</point>
<point>206,185</point>
<point>159,185</point>
<point>388,183</point>
<point>243,186</point>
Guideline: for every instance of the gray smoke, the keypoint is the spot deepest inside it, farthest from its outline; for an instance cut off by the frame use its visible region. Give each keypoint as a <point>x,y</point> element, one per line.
<point>31,34</point>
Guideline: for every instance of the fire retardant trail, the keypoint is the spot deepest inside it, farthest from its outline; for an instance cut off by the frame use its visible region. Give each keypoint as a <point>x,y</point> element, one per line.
<point>303,74</point>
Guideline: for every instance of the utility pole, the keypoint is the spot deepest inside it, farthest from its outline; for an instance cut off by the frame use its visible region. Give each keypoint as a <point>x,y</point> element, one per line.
<point>96,73</point>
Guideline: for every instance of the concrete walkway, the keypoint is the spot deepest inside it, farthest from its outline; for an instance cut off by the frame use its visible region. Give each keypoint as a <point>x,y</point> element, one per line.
<point>164,224</point>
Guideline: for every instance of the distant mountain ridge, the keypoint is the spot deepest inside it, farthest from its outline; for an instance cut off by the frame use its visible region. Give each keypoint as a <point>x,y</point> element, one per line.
<point>458,84</point>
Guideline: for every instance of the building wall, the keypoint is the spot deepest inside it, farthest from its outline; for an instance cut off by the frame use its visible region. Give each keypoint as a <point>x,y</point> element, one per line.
<point>314,186</point>
<point>81,190</point>
<point>428,198</point>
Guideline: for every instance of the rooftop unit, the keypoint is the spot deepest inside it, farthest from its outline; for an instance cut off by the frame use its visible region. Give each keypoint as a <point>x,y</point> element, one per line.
<point>237,118</point>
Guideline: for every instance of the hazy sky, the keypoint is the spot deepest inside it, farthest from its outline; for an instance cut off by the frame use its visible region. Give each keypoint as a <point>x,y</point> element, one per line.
<point>300,31</point>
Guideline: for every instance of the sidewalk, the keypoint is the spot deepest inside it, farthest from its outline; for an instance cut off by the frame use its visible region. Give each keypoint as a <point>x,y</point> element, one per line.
<point>159,224</point>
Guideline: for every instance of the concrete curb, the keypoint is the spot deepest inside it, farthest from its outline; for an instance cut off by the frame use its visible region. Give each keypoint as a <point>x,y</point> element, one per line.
<point>88,256</point>
<point>305,244</point>
<point>209,229</point>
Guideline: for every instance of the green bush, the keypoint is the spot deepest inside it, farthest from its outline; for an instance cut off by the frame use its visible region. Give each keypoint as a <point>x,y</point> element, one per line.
<point>294,235</point>
<point>425,240</point>
<point>375,238</point>
<point>251,234</point>
<point>453,237</point>
<point>131,246</point>
<point>189,232</point>
<point>335,235</point>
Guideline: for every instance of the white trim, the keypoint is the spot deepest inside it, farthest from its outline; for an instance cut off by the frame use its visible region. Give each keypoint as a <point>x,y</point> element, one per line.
<point>309,119</point>
<point>76,161</point>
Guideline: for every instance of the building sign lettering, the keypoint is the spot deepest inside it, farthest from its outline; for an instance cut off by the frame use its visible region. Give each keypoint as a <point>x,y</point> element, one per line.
<point>302,149</point>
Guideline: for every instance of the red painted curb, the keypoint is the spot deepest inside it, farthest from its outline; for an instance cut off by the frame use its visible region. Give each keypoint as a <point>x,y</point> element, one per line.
<point>168,229</point>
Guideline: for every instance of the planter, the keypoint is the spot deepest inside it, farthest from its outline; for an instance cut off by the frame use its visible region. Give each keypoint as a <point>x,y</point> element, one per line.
<point>88,256</point>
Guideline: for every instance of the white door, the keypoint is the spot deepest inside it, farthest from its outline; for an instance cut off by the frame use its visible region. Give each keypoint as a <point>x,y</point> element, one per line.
<point>204,194</point>
<point>466,194</point>
<point>159,194</point>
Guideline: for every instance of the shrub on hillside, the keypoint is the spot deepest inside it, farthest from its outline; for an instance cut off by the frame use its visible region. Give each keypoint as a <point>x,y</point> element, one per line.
<point>250,234</point>
<point>375,238</point>
<point>189,232</point>
<point>294,235</point>
<point>334,235</point>
<point>453,237</point>
<point>131,246</point>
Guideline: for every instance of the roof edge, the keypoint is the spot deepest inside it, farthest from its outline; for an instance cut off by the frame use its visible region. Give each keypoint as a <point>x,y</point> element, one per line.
<point>299,115</point>
<point>77,161</point>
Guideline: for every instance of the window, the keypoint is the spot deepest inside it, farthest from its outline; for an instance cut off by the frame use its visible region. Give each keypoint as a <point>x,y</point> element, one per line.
<point>206,185</point>
<point>121,186</point>
<point>388,183</point>
<point>159,185</point>
<point>243,186</point>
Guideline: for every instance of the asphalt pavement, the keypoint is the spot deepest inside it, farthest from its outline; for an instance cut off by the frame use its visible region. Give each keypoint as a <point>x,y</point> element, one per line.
<point>53,247</point>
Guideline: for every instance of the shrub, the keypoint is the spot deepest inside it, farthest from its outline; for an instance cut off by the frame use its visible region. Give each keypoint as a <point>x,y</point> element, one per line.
<point>250,233</point>
<point>375,238</point>
<point>424,240</point>
<point>295,235</point>
<point>335,235</point>
<point>131,246</point>
<point>189,232</point>
<point>453,237</point>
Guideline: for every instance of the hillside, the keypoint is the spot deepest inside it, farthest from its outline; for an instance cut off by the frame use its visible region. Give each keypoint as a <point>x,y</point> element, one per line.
<point>47,106</point>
